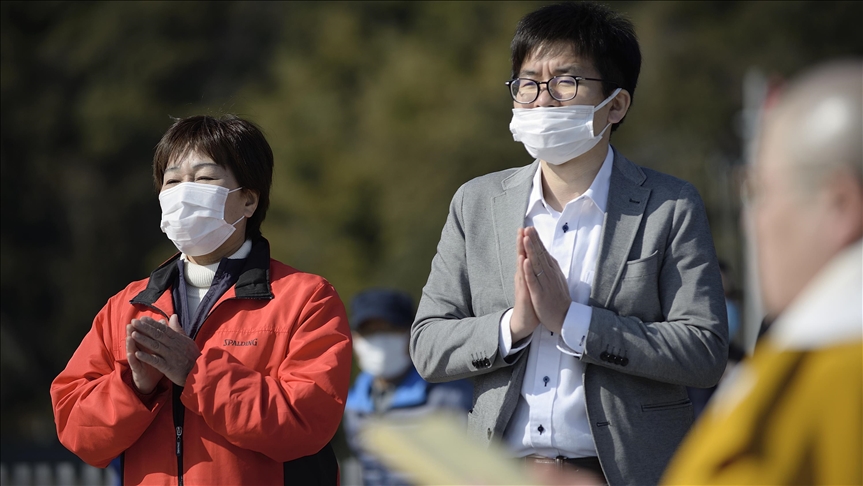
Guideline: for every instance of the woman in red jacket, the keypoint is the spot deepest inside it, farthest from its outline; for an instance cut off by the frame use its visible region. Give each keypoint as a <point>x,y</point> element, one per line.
<point>224,366</point>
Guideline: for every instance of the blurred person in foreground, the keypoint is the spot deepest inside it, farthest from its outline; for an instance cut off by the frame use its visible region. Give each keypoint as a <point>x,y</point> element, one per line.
<point>388,385</point>
<point>580,293</point>
<point>794,412</point>
<point>224,366</point>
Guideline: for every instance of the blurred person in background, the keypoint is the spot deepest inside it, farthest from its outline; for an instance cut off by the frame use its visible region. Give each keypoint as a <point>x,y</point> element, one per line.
<point>793,414</point>
<point>388,385</point>
<point>580,293</point>
<point>224,366</point>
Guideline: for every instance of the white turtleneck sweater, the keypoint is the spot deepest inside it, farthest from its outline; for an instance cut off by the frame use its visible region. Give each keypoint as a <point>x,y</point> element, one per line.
<point>199,278</point>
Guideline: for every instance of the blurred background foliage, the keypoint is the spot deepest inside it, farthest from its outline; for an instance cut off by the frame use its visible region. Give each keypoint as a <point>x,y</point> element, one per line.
<point>376,113</point>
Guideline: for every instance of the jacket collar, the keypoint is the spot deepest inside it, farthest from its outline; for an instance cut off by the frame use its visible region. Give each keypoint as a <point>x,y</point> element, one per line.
<point>627,201</point>
<point>254,281</point>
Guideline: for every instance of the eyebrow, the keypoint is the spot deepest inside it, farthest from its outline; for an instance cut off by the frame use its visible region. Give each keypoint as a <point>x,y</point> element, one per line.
<point>196,166</point>
<point>571,69</point>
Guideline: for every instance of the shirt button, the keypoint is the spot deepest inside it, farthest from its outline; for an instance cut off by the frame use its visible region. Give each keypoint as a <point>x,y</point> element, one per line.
<point>540,429</point>
<point>545,380</point>
<point>565,227</point>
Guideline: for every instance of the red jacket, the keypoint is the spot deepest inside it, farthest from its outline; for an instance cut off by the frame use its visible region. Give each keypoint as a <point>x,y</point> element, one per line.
<point>261,404</point>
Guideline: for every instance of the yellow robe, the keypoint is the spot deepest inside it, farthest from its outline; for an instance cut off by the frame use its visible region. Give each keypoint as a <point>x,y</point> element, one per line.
<point>800,423</point>
<point>793,414</point>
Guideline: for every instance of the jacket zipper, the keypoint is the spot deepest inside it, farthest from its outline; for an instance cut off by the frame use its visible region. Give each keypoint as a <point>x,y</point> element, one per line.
<point>178,407</point>
<point>180,455</point>
<point>179,414</point>
<point>179,418</point>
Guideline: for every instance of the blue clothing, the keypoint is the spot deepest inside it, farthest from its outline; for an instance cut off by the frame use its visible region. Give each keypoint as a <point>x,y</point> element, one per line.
<point>411,398</point>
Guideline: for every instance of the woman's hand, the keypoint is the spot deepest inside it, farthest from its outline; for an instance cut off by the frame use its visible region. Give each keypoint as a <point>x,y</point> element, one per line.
<point>169,350</point>
<point>144,376</point>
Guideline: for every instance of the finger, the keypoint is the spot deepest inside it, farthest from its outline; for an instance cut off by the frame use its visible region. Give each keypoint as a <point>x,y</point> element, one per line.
<point>130,353</point>
<point>533,283</point>
<point>156,330</point>
<point>147,341</point>
<point>520,282</point>
<point>519,242</point>
<point>536,241</point>
<point>174,325</point>
<point>152,360</point>
<point>534,256</point>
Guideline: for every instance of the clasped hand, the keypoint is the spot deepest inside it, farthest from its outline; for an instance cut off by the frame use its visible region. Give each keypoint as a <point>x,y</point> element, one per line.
<point>155,349</point>
<point>541,291</point>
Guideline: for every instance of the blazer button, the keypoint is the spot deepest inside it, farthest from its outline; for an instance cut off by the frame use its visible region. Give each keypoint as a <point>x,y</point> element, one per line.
<point>486,362</point>
<point>624,361</point>
<point>604,356</point>
<point>617,360</point>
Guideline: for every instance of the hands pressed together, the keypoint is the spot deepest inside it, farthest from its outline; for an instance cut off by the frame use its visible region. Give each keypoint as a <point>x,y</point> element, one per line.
<point>155,349</point>
<point>541,291</point>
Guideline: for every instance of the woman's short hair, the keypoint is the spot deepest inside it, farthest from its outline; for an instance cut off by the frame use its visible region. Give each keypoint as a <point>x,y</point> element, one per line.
<point>231,142</point>
<point>594,31</point>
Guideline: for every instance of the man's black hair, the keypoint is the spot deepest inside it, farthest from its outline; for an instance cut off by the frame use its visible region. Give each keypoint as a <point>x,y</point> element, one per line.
<point>594,31</point>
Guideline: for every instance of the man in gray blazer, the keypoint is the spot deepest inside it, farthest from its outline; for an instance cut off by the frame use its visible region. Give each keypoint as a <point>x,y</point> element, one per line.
<point>580,293</point>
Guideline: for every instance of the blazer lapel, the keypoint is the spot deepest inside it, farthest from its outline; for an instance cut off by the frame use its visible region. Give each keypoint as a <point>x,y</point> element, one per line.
<point>508,210</point>
<point>627,200</point>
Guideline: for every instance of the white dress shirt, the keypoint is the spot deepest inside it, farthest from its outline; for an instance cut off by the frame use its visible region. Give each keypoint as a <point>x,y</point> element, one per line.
<point>551,416</point>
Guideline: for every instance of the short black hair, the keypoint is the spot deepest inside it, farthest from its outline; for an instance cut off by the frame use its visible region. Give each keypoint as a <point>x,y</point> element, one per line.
<point>231,142</point>
<point>594,31</point>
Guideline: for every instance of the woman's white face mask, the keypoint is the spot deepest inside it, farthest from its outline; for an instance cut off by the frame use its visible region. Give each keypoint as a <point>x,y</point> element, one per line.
<point>193,217</point>
<point>557,134</point>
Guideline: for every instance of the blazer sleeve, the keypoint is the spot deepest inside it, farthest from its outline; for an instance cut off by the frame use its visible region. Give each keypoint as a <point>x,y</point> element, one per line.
<point>689,345</point>
<point>291,415</point>
<point>447,341</point>
<point>97,413</point>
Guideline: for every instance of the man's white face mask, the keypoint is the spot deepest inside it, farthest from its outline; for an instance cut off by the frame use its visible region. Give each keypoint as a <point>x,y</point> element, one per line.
<point>383,354</point>
<point>557,134</point>
<point>193,217</point>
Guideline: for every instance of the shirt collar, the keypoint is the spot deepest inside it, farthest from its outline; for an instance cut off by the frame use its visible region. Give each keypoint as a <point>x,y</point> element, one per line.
<point>597,192</point>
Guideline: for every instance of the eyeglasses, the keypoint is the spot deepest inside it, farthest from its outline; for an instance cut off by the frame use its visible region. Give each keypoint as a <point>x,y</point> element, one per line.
<point>561,88</point>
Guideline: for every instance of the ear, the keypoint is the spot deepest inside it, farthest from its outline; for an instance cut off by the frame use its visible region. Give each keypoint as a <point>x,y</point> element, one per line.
<point>845,206</point>
<point>619,106</point>
<point>251,202</point>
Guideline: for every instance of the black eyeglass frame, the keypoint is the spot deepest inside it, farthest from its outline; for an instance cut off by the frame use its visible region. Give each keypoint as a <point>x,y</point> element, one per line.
<point>539,84</point>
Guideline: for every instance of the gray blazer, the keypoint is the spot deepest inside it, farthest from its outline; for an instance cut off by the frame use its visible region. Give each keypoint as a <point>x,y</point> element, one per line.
<point>658,322</point>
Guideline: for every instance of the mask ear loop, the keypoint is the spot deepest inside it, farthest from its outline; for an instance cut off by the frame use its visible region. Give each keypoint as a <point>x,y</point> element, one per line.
<point>241,217</point>
<point>607,100</point>
<point>599,107</point>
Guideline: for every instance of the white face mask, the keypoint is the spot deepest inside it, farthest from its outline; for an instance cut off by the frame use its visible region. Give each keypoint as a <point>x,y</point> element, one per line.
<point>557,134</point>
<point>193,217</point>
<point>383,354</point>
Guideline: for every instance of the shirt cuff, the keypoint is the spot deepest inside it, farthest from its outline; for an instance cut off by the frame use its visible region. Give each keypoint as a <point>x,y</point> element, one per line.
<point>576,324</point>
<point>505,336</point>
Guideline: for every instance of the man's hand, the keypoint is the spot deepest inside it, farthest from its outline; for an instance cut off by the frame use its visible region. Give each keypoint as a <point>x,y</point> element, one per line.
<point>524,319</point>
<point>144,376</point>
<point>549,292</point>
<point>171,352</point>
